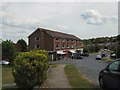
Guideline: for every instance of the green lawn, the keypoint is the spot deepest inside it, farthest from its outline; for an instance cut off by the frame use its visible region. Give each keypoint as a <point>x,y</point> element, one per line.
<point>76,80</point>
<point>7,77</point>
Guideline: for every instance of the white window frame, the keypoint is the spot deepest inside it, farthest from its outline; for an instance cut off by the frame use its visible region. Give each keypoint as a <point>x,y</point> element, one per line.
<point>63,46</point>
<point>58,46</point>
<point>37,38</point>
<point>36,46</point>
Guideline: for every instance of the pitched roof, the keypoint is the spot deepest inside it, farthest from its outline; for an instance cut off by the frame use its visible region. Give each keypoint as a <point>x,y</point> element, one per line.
<point>58,34</point>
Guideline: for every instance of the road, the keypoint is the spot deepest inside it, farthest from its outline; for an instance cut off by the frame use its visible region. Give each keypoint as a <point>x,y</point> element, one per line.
<point>87,66</point>
<point>90,68</point>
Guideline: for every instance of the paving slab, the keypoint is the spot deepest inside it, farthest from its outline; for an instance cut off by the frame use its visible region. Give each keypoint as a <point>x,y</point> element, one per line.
<point>56,78</point>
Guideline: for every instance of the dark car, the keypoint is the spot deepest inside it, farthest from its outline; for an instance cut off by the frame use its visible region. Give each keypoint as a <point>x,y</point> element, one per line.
<point>85,54</point>
<point>109,77</point>
<point>79,56</point>
<point>76,56</point>
<point>103,55</point>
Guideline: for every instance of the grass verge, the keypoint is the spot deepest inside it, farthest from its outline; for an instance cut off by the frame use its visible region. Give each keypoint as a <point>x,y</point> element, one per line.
<point>76,80</point>
<point>106,59</point>
<point>7,77</point>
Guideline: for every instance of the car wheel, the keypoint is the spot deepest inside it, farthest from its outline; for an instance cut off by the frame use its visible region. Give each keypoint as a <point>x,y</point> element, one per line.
<point>101,83</point>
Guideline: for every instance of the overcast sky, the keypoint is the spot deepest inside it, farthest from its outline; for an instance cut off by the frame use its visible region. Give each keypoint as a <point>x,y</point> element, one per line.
<point>83,19</point>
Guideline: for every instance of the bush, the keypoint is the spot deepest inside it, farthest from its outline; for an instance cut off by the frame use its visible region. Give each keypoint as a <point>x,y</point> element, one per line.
<point>106,59</point>
<point>30,69</point>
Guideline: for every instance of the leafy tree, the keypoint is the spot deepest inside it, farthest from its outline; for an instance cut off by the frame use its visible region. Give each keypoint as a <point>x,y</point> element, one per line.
<point>91,49</point>
<point>8,50</point>
<point>118,51</point>
<point>21,45</point>
<point>30,69</point>
<point>118,38</point>
<point>96,48</point>
<point>118,47</point>
<point>86,50</point>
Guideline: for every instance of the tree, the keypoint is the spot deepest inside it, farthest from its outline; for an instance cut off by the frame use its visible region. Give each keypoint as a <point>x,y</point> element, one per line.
<point>118,38</point>
<point>96,48</point>
<point>118,47</point>
<point>8,50</point>
<point>30,69</point>
<point>85,49</point>
<point>21,45</point>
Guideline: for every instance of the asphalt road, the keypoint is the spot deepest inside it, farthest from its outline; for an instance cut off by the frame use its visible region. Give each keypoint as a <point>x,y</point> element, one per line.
<point>90,68</point>
<point>87,66</point>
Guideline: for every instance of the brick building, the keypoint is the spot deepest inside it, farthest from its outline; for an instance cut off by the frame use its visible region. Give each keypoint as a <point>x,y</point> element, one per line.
<point>53,41</point>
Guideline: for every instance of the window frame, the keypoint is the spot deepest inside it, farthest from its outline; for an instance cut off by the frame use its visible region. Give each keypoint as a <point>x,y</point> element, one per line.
<point>37,46</point>
<point>37,38</point>
<point>57,46</point>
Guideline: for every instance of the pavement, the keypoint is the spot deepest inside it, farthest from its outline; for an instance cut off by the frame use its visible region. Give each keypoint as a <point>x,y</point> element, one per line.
<point>56,78</point>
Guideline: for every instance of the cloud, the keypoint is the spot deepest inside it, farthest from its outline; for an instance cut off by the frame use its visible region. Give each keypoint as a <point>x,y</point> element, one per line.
<point>96,18</point>
<point>10,20</point>
<point>15,33</point>
<point>114,18</point>
<point>62,27</point>
<point>4,5</point>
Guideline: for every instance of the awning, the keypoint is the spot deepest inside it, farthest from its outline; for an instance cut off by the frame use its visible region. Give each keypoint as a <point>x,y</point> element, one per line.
<point>72,51</point>
<point>61,52</point>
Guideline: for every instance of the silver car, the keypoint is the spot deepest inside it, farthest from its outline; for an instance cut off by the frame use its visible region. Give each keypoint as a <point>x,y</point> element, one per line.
<point>4,62</point>
<point>98,57</point>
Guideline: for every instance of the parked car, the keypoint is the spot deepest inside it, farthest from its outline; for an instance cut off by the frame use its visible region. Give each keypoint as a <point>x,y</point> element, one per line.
<point>79,56</point>
<point>85,54</point>
<point>113,55</point>
<point>98,57</point>
<point>103,55</point>
<point>109,77</point>
<point>4,62</point>
<point>76,56</point>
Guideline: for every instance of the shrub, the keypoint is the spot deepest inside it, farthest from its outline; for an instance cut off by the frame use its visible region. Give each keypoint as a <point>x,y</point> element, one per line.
<point>106,59</point>
<point>30,69</point>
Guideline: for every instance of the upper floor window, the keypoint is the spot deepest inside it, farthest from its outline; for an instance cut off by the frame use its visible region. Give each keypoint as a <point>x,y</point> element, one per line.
<point>63,46</point>
<point>57,39</point>
<point>68,46</point>
<point>37,39</point>
<point>57,46</point>
<point>67,39</point>
<point>72,40</point>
